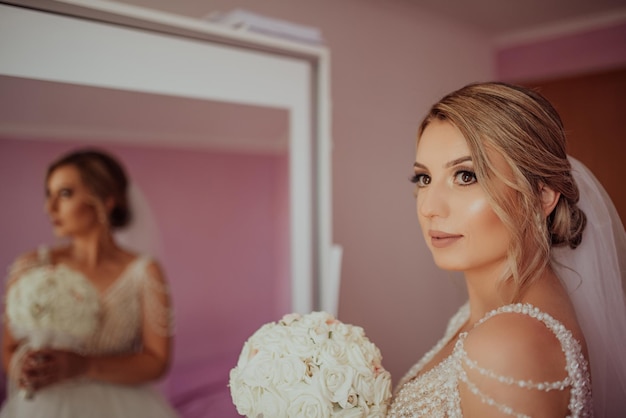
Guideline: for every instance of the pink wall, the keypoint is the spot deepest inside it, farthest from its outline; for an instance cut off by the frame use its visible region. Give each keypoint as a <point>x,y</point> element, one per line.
<point>584,51</point>
<point>390,60</point>
<point>223,225</point>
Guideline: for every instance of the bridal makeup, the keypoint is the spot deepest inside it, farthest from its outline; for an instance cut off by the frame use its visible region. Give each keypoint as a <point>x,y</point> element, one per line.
<point>458,223</point>
<point>69,203</point>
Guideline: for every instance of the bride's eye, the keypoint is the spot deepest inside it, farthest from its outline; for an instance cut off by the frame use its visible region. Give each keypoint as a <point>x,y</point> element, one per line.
<point>465,177</point>
<point>66,192</point>
<point>420,179</point>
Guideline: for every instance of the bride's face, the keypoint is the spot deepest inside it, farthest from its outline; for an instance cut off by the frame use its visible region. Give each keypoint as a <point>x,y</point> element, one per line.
<point>69,203</point>
<point>457,220</point>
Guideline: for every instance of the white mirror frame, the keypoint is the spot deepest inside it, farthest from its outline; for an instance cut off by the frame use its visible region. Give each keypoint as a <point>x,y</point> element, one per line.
<point>95,43</point>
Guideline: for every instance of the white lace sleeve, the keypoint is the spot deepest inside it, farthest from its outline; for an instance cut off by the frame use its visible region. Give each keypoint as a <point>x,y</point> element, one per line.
<point>157,308</point>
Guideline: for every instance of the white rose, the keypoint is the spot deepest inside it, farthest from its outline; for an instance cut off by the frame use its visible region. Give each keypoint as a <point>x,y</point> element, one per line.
<point>337,381</point>
<point>364,386</point>
<point>299,343</point>
<point>315,320</point>
<point>334,353</point>
<point>271,404</point>
<point>289,318</point>
<point>357,359</point>
<point>305,401</point>
<point>341,330</point>
<point>312,370</point>
<point>351,401</point>
<point>244,397</point>
<point>382,388</point>
<point>247,352</point>
<point>370,352</point>
<point>349,413</point>
<point>289,371</point>
<point>274,338</point>
<point>260,371</point>
<point>320,334</point>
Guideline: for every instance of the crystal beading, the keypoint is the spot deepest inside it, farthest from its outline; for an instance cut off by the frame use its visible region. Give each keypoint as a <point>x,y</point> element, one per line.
<point>435,393</point>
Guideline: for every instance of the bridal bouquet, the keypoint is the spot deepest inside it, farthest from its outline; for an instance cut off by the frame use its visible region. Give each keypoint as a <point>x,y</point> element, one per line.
<point>53,307</point>
<point>310,366</point>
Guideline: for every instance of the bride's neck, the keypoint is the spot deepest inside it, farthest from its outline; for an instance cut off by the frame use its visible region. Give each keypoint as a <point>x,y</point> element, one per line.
<point>487,292</point>
<point>90,251</point>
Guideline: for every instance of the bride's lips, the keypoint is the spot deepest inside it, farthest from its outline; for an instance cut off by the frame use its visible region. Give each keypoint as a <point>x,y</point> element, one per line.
<point>440,239</point>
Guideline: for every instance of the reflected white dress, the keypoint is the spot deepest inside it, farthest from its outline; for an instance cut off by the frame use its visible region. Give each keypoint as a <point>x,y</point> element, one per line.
<point>435,393</point>
<point>123,306</point>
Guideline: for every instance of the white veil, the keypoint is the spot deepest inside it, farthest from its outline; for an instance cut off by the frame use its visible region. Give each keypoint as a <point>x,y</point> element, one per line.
<point>595,276</point>
<point>142,234</point>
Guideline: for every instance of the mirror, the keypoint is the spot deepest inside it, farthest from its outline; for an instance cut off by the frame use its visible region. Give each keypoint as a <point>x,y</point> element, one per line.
<point>194,121</point>
<point>214,179</point>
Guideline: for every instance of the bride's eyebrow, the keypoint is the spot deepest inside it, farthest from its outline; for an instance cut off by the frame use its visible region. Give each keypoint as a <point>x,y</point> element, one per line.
<point>449,164</point>
<point>458,161</point>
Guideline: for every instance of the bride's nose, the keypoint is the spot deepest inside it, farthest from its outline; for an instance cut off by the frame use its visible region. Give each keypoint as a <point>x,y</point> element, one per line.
<point>432,201</point>
<point>50,205</point>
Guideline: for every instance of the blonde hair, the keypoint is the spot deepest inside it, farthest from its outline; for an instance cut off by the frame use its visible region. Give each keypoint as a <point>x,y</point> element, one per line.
<point>525,129</point>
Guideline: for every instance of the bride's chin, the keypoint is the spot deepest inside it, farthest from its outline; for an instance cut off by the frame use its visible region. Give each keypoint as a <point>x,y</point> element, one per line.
<point>444,263</point>
<point>60,232</point>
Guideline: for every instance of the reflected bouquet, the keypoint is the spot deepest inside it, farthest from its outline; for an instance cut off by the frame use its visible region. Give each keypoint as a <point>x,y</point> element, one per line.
<point>53,307</point>
<point>310,366</point>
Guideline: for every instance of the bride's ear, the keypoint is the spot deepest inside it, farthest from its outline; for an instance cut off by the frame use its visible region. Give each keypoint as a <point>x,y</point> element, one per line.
<point>549,199</point>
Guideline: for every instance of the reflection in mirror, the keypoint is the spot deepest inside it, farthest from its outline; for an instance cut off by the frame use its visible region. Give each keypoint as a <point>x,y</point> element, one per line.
<point>215,178</point>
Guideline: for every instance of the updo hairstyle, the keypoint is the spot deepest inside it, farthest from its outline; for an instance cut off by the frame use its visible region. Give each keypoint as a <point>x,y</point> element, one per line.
<point>525,129</point>
<point>105,177</point>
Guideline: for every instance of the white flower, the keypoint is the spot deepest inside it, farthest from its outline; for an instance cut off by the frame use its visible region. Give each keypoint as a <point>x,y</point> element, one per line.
<point>352,413</point>
<point>307,403</point>
<point>247,397</point>
<point>289,371</point>
<point>272,404</point>
<point>382,386</point>
<point>310,366</point>
<point>338,381</point>
<point>260,371</point>
<point>289,318</point>
<point>53,306</point>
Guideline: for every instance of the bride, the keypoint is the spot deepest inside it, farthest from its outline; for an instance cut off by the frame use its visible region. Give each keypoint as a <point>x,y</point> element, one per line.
<point>497,199</point>
<point>109,373</point>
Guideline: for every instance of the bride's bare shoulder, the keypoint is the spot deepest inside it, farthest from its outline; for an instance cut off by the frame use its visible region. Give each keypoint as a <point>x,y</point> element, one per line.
<point>510,356</point>
<point>516,344</point>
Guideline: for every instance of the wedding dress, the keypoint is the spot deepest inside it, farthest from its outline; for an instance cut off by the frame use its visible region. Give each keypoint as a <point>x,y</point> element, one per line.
<point>435,393</point>
<point>119,333</point>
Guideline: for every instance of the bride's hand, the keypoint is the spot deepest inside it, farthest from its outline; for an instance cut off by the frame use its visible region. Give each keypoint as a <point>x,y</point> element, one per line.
<point>47,367</point>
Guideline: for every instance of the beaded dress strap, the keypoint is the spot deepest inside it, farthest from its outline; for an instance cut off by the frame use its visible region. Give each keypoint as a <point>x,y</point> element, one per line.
<point>574,359</point>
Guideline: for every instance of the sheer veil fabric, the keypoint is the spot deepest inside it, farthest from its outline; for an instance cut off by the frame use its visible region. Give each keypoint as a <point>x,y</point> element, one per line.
<point>595,276</point>
<point>142,235</point>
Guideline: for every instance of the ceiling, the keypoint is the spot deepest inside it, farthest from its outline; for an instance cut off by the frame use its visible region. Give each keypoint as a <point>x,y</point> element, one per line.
<point>503,17</point>
<point>264,129</point>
